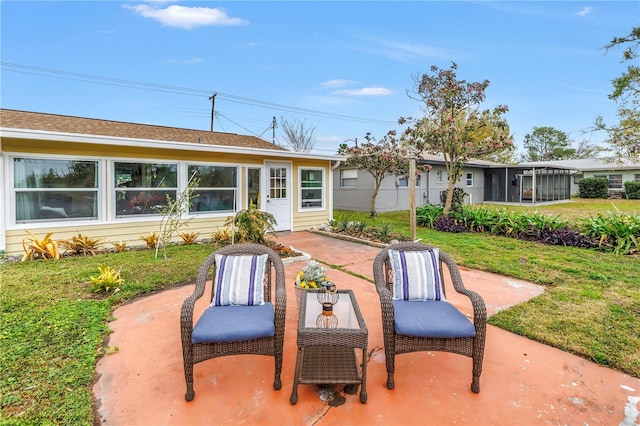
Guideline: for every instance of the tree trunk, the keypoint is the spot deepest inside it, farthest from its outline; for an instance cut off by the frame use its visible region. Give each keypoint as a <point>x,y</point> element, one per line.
<point>449,200</point>
<point>372,210</point>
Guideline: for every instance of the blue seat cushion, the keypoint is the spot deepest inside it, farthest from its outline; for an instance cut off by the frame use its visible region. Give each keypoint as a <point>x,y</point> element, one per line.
<point>234,324</point>
<point>431,319</point>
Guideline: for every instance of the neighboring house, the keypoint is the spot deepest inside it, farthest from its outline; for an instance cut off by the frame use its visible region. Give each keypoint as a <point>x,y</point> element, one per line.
<point>482,181</point>
<point>616,172</point>
<point>107,179</point>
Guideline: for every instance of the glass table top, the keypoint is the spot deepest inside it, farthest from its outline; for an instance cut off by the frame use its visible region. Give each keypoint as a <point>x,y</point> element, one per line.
<point>343,314</point>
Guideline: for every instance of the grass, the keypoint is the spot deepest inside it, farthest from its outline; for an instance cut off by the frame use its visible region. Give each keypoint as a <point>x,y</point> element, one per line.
<point>53,326</point>
<point>578,208</point>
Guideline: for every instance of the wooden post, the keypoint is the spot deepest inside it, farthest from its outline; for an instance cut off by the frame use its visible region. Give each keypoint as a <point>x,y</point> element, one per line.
<point>412,197</point>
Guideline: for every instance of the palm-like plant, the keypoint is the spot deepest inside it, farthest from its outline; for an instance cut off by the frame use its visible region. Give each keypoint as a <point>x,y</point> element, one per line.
<point>251,225</point>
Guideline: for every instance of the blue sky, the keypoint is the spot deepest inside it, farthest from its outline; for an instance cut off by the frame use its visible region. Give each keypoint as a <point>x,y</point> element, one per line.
<point>342,67</point>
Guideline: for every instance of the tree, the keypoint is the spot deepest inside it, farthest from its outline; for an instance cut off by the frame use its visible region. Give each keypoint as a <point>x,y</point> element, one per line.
<point>298,135</point>
<point>546,144</point>
<point>625,136</point>
<point>452,125</point>
<point>381,159</point>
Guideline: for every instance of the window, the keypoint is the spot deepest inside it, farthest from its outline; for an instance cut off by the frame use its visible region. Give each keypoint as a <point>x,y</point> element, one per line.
<point>349,178</point>
<point>636,177</point>
<point>217,188</point>
<point>577,178</point>
<point>615,181</point>
<point>469,178</point>
<point>142,188</point>
<point>438,176</point>
<point>311,188</point>
<point>253,187</point>
<point>55,189</point>
<point>404,181</point>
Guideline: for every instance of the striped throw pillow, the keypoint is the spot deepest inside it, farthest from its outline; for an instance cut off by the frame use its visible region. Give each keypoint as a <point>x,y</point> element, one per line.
<point>239,280</point>
<point>416,275</point>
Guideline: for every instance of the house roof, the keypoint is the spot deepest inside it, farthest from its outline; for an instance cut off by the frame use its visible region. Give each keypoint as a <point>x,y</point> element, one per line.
<point>438,159</point>
<point>36,121</point>
<point>587,164</point>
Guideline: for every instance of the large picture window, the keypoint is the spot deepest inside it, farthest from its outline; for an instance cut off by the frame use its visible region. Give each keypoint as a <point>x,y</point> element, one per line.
<point>311,188</point>
<point>55,189</point>
<point>217,188</point>
<point>142,188</point>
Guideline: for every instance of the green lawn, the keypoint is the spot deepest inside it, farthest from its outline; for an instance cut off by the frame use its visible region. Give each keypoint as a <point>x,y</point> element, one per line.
<point>578,208</point>
<point>53,326</point>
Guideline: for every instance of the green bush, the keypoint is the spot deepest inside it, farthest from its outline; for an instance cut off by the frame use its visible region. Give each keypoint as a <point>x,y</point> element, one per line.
<point>632,189</point>
<point>595,187</point>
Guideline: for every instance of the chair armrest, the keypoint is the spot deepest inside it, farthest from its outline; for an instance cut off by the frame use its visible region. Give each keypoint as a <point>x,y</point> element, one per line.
<point>186,313</point>
<point>477,302</point>
<point>380,265</point>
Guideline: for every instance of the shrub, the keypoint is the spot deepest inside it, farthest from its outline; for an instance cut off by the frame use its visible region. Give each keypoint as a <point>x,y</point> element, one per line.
<point>82,245</point>
<point>458,198</point>
<point>447,224</point>
<point>632,189</point>
<point>189,237</point>
<point>567,236</point>
<point>151,239</point>
<point>251,225</point>
<point>221,236</point>
<point>107,281</point>
<point>119,247</point>
<point>595,187</point>
<point>427,215</point>
<point>45,248</point>
<point>617,232</point>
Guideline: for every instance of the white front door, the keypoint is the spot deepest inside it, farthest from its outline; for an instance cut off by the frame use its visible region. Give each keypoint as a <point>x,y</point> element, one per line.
<point>278,199</point>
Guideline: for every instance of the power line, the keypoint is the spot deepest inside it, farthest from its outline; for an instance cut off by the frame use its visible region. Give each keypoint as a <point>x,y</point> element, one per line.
<point>67,75</point>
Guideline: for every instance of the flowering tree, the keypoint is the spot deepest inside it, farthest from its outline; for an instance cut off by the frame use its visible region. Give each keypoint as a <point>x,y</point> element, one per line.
<point>381,159</point>
<point>453,126</point>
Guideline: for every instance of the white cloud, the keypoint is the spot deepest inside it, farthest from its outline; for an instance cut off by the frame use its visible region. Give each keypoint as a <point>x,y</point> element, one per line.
<point>186,17</point>
<point>584,12</point>
<point>336,83</point>
<point>365,91</point>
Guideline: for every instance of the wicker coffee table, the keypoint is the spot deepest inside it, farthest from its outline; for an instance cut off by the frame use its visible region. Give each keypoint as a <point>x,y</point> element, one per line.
<point>327,350</point>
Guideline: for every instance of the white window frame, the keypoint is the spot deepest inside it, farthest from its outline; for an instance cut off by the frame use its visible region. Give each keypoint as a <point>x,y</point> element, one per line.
<point>469,179</point>
<point>12,223</point>
<point>352,180</point>
<point>113,214</point>
<point>236,190</point>
<point>301,188</point>
<point>439,178</point>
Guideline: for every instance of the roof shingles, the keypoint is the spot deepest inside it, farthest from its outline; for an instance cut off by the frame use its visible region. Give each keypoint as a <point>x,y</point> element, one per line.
<point>27,120</point>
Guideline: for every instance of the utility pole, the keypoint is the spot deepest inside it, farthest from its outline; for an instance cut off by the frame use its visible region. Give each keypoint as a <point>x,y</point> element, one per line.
<point>212,98</point>
<point>274,124</point>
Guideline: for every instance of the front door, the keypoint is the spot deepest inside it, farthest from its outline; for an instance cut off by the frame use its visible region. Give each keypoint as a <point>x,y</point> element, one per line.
<point>278,194</point>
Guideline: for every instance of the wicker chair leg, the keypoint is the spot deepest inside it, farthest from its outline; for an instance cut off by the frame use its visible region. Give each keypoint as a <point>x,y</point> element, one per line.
<point>475,384</point>
<point>390,381</point>
<point>188,375</point>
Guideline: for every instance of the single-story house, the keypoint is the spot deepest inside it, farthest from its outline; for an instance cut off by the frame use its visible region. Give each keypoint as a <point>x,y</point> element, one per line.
<point>617,172</point>
<point>482,181</point>
<point>109,179</point>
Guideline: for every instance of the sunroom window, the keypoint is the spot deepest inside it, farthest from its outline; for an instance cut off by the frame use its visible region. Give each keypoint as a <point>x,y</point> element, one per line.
<point>142,188</point>
<point>311,188</point>
<point>55,189</point>
<point>217,188</point>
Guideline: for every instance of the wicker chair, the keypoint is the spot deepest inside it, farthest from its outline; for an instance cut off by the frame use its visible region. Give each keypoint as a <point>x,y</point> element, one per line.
<point>220,328</point>
<point>470,338</point>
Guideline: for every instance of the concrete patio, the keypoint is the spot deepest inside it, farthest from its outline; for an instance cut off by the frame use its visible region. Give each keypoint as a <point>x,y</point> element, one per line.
<point>522,383</point>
